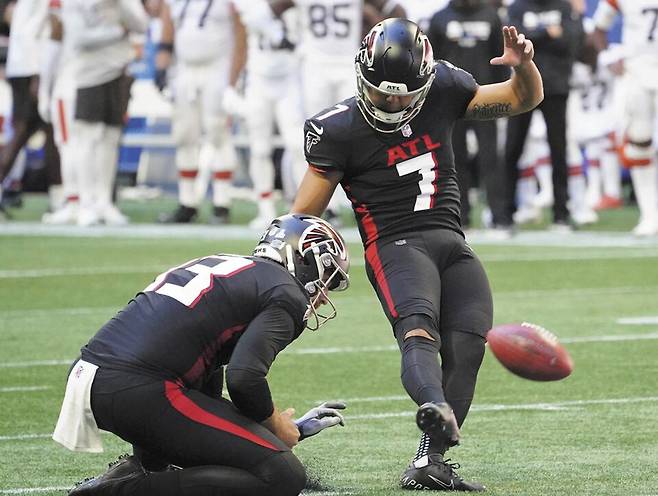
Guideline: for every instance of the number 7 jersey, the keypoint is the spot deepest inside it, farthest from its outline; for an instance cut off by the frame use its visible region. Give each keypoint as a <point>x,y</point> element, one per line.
<point>640,35</point>
<point>400,182</point>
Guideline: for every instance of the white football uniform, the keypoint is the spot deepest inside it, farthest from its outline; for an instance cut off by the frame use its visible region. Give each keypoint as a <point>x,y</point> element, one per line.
<point>99,33</point>
<point>640,43</point>
<point>273,96</point>
<point>330,35</point>
<point>62,110</point>
<point>203,41</point>
<point>421,11</point>
<point>28,27</point>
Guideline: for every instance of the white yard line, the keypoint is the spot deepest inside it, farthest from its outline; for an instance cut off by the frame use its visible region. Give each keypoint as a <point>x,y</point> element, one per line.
<point>367,349</point>
<point>197,231</point>
<point>35,363</point>
<point>23,437</point>
<point>80,271</point>
<point>356,261</point>
<point>561,405</point>
<point>32,490</point>
<point>54,312</point>
<point>638,320</point>
<point>20,389</point>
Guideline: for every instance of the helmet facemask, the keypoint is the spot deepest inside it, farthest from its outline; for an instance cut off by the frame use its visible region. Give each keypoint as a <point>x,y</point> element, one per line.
<point>320,272</point>
<point>314,253</point>
<point>381,120</point>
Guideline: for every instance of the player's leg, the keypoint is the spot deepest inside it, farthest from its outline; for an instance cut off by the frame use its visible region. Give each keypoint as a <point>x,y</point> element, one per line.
<point>611,175</point>
<point>186,130</point>
<point>639,155</point>
<point>261,102</point>
<point>290,120</point>
<point>487,162</point>
<point>466,315</point>
<point>517,130</point>
<point>62,110</point>
<point>25,121</point>
<point>114,96</point>
<point>554,110</point>
<point>86,138</point>
<point>218,450</point>
<point>218,140</point>
<point>580,212</point>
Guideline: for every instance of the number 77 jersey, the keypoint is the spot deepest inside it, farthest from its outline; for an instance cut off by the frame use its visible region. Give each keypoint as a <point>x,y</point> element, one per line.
<point>203,29</point>
<point>397,182</point>
<point>640,34</point>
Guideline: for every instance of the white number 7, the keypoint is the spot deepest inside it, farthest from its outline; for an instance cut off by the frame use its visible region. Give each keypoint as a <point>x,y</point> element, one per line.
<point>196,287</point>
<point>428,169</point>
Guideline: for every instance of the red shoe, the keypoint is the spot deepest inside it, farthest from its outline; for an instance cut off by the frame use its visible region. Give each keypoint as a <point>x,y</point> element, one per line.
<point>609,203</point>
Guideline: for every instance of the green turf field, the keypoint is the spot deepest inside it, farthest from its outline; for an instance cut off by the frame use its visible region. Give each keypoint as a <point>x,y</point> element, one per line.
<point>595,433</point>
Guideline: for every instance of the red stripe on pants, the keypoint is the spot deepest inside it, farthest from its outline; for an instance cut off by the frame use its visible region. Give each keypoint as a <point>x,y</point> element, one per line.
<point>194,412</point>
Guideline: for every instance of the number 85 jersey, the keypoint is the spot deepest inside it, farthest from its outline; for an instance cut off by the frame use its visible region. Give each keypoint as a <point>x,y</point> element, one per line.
<point>400,182</point>
<point>330,29</point>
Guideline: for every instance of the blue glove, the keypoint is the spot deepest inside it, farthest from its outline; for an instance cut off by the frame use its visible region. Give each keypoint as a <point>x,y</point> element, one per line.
<point>319,418</point>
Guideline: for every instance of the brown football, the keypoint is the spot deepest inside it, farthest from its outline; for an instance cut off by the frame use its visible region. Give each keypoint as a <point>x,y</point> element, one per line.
<point>530,351</point>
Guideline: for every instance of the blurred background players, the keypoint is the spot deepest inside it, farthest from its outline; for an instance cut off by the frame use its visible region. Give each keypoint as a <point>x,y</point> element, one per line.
<point>421,11</point>
<point>57,93</point>
<point>28,27</point>
<point>330,32</point>
<point>272,97</point>
<point>201,37</point>
<point>468,33</point>
<point>100,32</point>
<point>640,42</point>
<point>557,33</point>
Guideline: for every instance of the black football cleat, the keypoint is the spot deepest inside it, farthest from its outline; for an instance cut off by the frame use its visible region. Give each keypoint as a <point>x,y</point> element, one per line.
<point>125,469</point>
<point>433,473</point>
<point>219,216</point>
<point>182,215</point>
<point>438,421</point>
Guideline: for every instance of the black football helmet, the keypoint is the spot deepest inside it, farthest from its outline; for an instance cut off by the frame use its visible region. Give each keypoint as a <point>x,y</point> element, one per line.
<point>395,58</point>
<point>313,252</point>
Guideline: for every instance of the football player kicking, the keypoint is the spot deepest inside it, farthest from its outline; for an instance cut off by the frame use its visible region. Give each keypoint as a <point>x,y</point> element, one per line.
<point>153,375</point>
<point>390,148</point>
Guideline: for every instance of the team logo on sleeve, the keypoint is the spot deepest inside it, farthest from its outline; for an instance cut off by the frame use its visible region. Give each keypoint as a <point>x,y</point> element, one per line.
<point>311,139</point>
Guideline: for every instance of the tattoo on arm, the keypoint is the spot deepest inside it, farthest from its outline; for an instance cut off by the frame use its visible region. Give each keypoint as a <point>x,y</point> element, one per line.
<point>492,110</point>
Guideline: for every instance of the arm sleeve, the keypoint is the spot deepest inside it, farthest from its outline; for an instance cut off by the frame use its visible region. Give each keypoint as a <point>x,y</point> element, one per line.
<point>269,333</point>
<point>133,16</point>
<point>459,87</point>
<point>323,153</point>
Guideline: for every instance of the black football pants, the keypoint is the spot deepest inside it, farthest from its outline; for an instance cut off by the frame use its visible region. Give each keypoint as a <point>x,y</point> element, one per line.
<point>432,280</point>
<point>221,452</point>
<point>554,111</point>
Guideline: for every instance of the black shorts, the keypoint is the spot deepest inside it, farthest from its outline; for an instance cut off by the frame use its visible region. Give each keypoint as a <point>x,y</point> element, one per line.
<point>430,278</point>
<point>106,103</point>
<point>24,108</point>
<point>178,425</point>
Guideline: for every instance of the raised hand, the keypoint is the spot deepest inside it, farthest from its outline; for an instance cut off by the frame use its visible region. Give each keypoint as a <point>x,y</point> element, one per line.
<point>518,50</point>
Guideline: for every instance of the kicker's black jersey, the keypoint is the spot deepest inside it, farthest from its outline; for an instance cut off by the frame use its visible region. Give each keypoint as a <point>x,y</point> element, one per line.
<point>398,182</point>
<point>188,321</point>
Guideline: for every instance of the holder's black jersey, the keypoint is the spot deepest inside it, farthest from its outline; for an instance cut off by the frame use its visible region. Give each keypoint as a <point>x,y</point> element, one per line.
<point>398,182</point>
<point>188,321</point>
